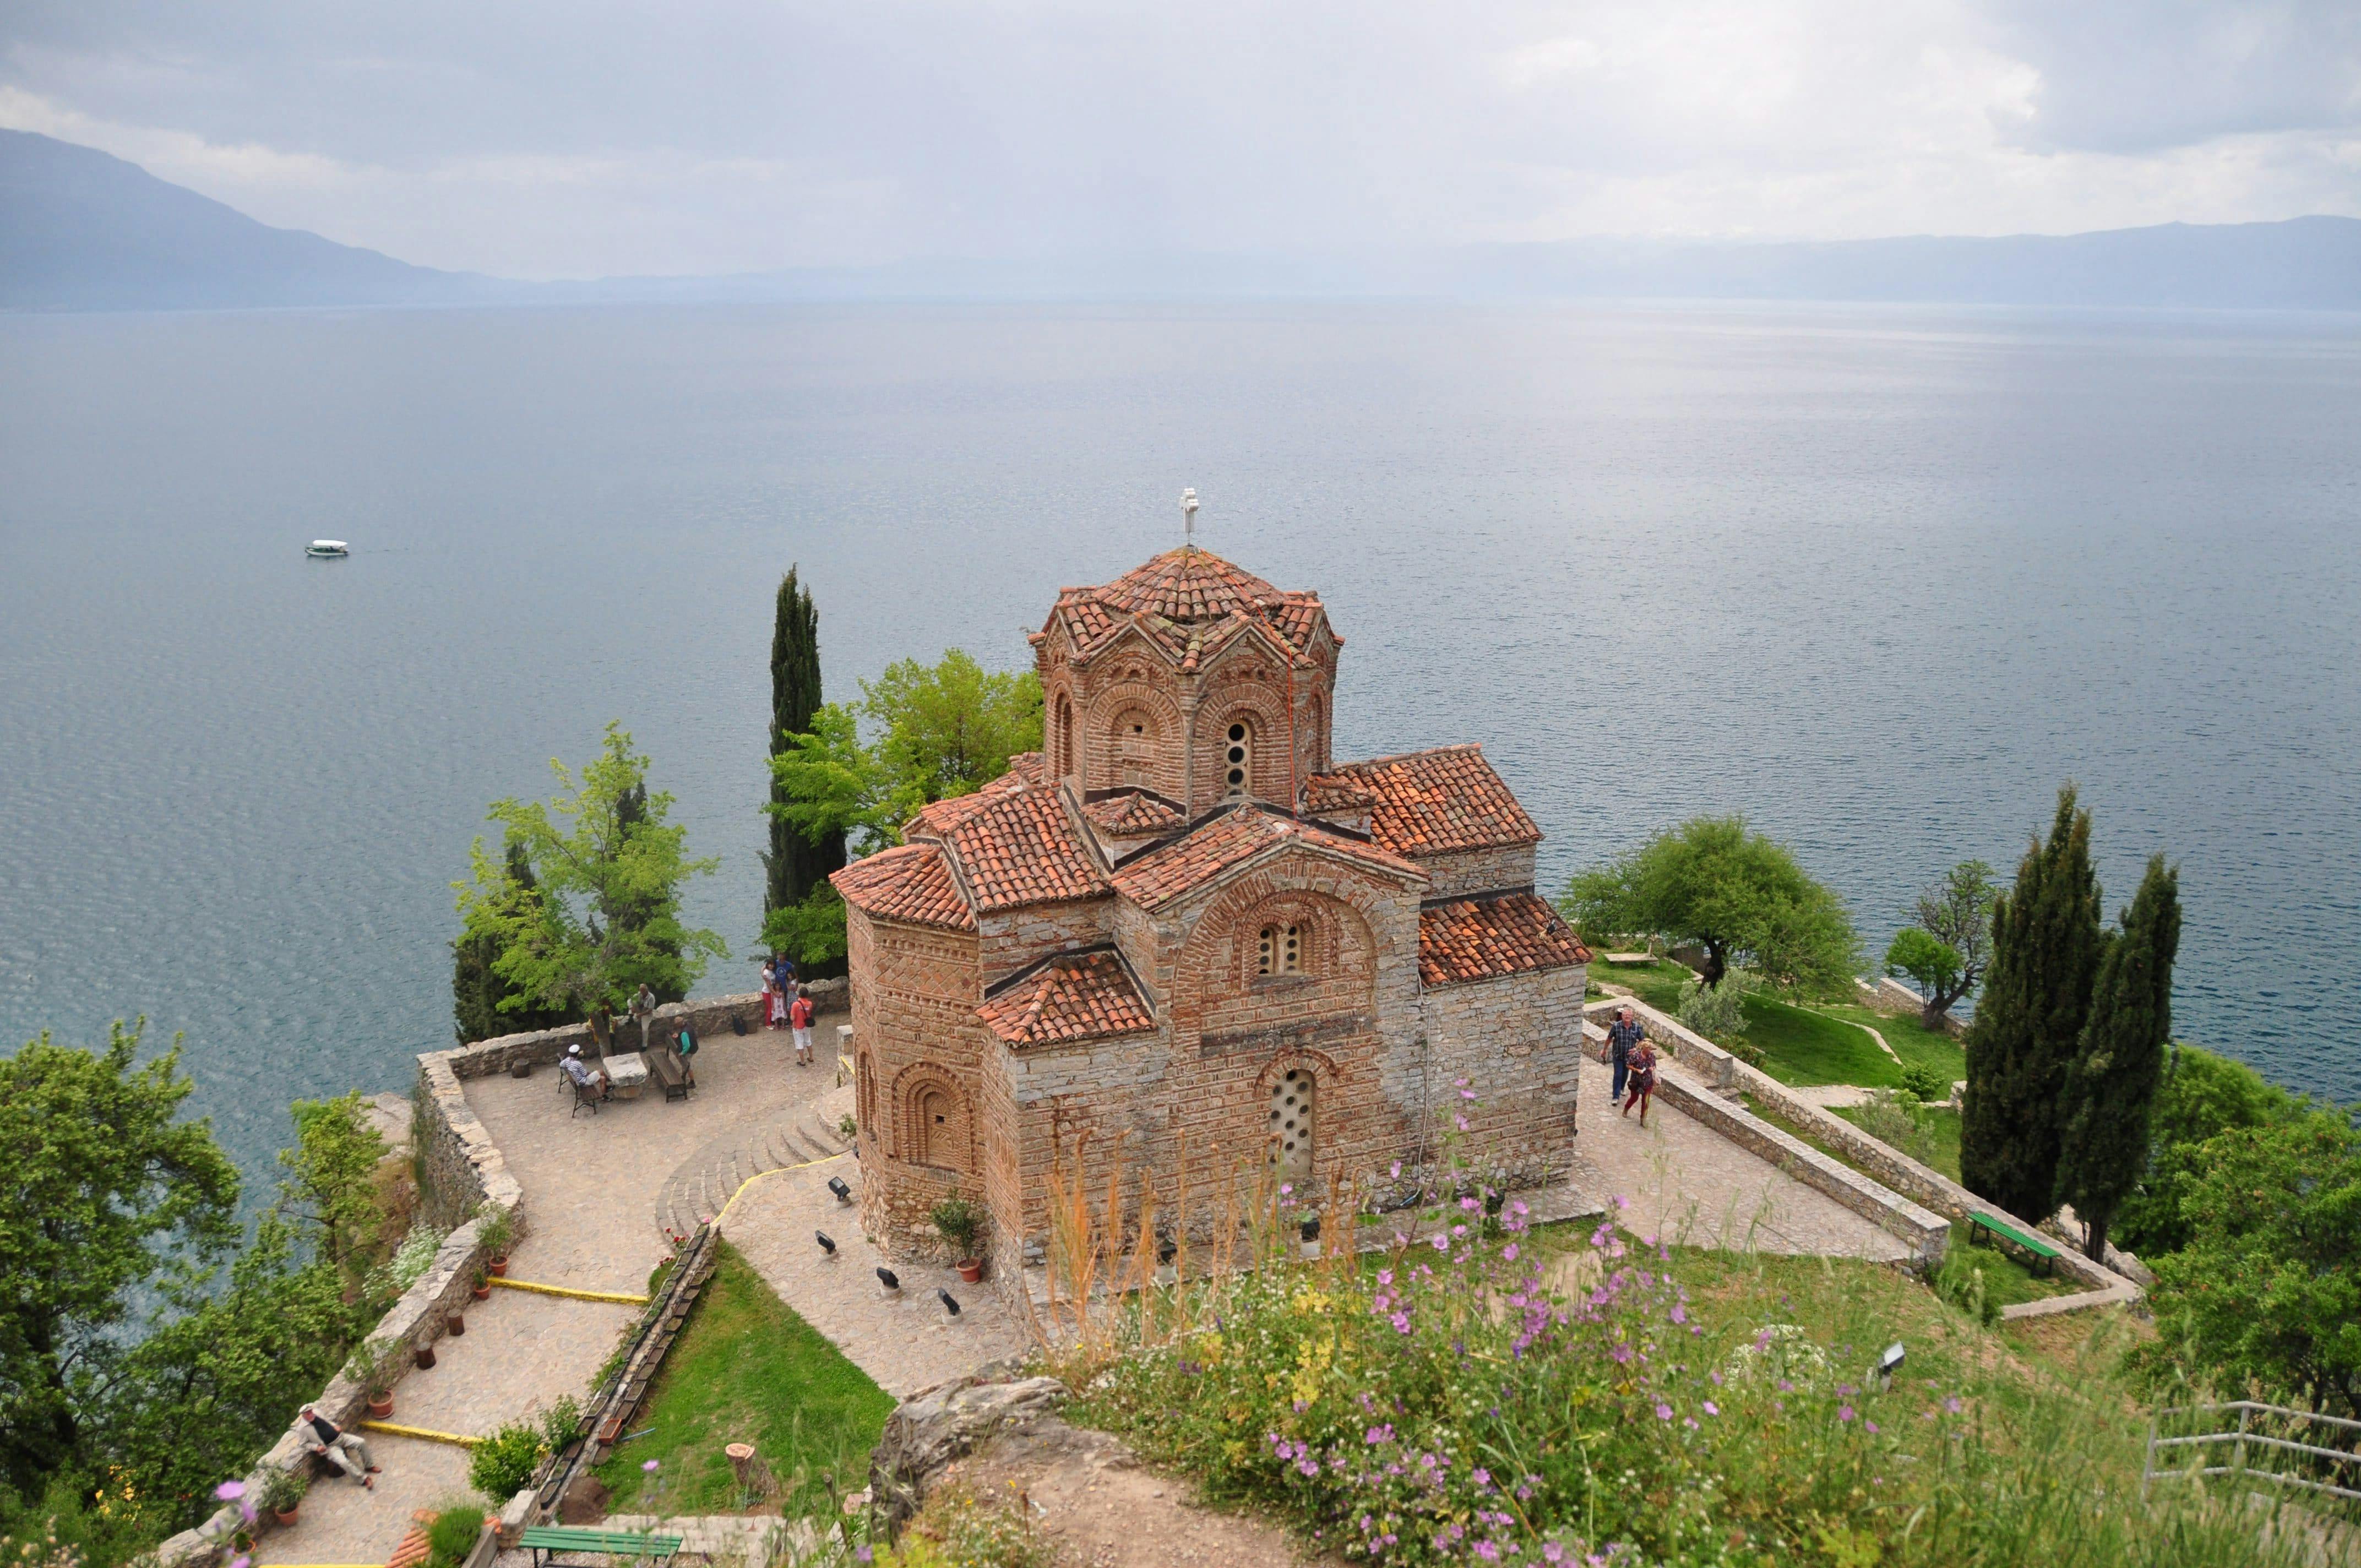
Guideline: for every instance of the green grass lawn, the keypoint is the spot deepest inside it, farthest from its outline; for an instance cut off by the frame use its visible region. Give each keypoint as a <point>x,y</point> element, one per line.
<point>747,1369</point>
<point>1807,1045</point>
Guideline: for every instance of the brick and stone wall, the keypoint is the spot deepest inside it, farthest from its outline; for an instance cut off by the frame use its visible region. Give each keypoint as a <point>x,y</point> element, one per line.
<point>710,1017</point>
<point>1466,872</point>
<point>1517,1042</point>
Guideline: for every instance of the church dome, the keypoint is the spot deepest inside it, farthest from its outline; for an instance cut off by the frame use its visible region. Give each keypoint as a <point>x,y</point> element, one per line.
<point>1189,586</point>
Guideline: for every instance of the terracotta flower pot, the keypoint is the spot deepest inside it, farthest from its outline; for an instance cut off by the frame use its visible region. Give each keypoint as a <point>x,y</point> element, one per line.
<point>422,1357</point>
<point>455,1324</point>
<point>970,1270</point>
<point>498,1267</point>
<point>480,1290</point>
<point>381,1405</point>
<point>286,1517</point>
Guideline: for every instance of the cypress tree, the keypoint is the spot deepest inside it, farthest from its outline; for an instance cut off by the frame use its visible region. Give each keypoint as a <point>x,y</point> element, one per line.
<point>2120,1059</point>
<point>476,991</point>
<point>2046,947</point>
<point>796,864</point>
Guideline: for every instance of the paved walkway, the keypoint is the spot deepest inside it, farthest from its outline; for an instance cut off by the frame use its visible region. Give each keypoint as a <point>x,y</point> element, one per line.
<point>906,1339</point>
<point>593,1186</point>
<point>1687,1183</point>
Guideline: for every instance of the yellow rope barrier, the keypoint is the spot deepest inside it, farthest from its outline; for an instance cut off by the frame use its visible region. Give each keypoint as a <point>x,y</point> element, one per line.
<point>619,1297</point>
<point>779,1170</point>
<point>428,1433</point>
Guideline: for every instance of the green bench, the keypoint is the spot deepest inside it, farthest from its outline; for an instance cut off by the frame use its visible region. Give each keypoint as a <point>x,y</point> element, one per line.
<point>547,1540</point>
<point>2044,1255</point>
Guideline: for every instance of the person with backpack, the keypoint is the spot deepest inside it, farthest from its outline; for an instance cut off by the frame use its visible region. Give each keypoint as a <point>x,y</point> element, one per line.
<point>799,1018</point>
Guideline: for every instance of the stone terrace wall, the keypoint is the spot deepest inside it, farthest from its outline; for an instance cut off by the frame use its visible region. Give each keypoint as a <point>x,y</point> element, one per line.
<point>709,1017</point>
<point>1691,1050</point>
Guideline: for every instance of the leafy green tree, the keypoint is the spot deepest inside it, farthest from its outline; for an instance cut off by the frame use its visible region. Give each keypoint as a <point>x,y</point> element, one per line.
<point>951,730</point>
<point>107,1196</point>
<point>604,918</point>
<point>2269,1288</point>
<point>1949,949</point>
<point>1741,895</point>
<point>332,1179</point>
<point>216,1382</point>
<point>943,732</point>
<point>2202,1096</point>
<point>2110,1084</point>
<point>482,1003</point>
<point>797,863</point>
<point>2046,943</point>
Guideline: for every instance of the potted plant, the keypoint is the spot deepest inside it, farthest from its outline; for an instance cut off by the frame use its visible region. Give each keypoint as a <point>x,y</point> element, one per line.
<point>482,1288</point>
<point>283,1495</point>
<point>495,1229</point>
<point>371,1367</point>
<point>959,1221</point>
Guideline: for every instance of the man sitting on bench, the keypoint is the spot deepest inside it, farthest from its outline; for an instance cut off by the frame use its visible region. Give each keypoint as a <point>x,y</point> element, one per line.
<point>589,1082</point>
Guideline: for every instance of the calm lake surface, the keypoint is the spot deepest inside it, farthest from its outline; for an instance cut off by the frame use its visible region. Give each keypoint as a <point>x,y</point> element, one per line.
<point>1879,578</point>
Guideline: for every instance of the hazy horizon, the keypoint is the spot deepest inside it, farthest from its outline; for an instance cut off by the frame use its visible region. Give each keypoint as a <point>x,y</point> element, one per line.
<point>721,137</point>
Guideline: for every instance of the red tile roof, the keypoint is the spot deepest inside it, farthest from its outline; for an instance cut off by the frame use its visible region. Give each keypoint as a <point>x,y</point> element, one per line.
<point>1133,816</point>
<point>1169,871</point>
<point>910,882</point>
<point>1429,802</point>
<point>1498,933</point>
<point>1020,847</point>
<point>1187,602</point>
<point>942,815</point>
<point>1078,996</point>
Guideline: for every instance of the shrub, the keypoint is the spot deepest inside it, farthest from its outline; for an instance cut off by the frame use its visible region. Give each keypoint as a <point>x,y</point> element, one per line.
<point>285,1489</point>
<point>1925,1083</point>
<point>371,1366</point>
<point>1893,1117</point>
<point>452,1535</point>
<point>959,1221</point>
<point>560,1423</point>
<point>504,1462</point>
<point>1718,1013</point>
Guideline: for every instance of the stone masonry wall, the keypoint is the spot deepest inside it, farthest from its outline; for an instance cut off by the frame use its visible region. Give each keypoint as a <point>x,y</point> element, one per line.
<point>1517,1042</point>
<point>709,1017</point>
<point>1466,872</point>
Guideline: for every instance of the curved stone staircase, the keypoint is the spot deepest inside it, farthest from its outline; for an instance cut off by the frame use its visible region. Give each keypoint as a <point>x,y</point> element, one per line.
<point>695,1192</point>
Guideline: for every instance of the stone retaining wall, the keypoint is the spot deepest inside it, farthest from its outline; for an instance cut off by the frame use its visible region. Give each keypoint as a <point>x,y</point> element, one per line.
<point>709,1017</point>
<point>1927,1236</point>
<point>1691,1050</point>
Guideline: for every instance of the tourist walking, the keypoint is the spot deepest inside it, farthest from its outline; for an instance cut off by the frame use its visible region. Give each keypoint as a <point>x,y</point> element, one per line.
<point>1644,1080</point>
<point>1622,1036</point>
<point>340,1448</point>
<point>800,1017</point>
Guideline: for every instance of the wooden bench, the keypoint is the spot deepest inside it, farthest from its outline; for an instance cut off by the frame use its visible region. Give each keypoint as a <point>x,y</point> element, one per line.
<point>548,1541</point>
<point>2044,1255</point>
<point>670,1073</point>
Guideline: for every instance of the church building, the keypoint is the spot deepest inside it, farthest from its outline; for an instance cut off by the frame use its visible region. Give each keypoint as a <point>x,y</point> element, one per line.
<point>1186,940</point>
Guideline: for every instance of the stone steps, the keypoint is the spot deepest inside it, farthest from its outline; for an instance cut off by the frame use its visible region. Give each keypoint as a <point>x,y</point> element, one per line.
<point>696,1191</point>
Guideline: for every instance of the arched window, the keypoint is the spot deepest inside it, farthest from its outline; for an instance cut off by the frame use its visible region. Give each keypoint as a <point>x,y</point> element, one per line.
<point>1290,1125</point>
<point>1065,754</point>
<point>1239,759</point>
<point>1280,951</point>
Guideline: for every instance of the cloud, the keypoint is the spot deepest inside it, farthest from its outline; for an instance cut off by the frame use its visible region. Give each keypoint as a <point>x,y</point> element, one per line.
<point>540,138</point>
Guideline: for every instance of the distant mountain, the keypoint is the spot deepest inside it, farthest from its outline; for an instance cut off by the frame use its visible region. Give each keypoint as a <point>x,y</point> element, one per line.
<point>82,230</point>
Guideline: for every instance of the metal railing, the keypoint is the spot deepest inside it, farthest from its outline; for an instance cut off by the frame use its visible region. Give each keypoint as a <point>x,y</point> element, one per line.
<point>2246,1435</point>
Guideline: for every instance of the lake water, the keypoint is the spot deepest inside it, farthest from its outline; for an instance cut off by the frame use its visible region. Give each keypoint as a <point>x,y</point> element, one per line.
<point>1878,579</point>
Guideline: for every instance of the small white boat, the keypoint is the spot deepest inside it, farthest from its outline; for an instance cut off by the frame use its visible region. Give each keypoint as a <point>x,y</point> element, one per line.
<point>327,549</point>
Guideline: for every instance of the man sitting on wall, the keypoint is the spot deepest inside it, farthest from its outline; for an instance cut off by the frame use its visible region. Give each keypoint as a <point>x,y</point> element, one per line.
<point>340,1448</point>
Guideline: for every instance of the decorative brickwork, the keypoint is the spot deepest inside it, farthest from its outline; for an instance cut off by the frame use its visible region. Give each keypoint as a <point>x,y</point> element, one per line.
<point>1181,942</point>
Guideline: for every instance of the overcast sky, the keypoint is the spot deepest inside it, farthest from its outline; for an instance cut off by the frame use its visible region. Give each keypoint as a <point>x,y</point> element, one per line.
<point>540,138</point>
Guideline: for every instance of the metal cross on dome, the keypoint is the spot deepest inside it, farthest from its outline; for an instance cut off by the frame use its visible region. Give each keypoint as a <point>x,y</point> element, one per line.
<point>1189,515</point>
